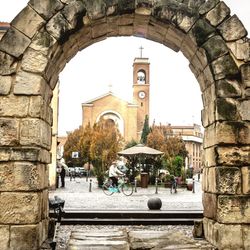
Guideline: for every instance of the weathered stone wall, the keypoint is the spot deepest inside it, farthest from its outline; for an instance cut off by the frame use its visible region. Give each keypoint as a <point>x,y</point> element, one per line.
<point>48,33</point>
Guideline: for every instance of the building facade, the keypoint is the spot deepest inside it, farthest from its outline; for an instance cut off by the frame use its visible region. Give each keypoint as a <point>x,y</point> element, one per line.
<point>128,116</point>
<point>3,28</point>
<point>193,138</point>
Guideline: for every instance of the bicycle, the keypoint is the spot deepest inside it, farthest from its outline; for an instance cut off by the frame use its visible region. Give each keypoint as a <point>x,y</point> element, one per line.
<point>123,184</point>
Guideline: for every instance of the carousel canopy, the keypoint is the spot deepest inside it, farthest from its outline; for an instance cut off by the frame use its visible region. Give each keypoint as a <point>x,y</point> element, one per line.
<point>140,150</point>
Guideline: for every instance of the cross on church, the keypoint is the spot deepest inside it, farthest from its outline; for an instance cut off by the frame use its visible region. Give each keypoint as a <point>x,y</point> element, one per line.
<point>141,48</point>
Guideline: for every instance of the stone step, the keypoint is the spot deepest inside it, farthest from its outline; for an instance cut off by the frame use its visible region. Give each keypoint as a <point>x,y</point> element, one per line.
<point>98,240</point>
<point>134,240</point>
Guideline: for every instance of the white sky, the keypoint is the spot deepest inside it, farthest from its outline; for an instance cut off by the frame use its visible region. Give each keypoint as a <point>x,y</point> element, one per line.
<point>175,94</point>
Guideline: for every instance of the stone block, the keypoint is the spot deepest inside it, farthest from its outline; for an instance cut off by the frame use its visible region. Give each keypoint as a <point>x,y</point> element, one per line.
<point>96,9</point>
<point>34,61</point>
<point>157,34</point>
<point>226,109</point>
<point>240,49</point>
<point>215,47</point>
<point>233,156</point>
<point>246,236</point>
<point>21,177</point>
<point>126,20</point>
<point>43,42</point>
<point>201,58</point>
<point>39,108</point>
<point>99,30</point>
<point>208,98</point>
<point>228,88</point>
<point>74,13</point>
<point>174,36</point>
<point>5,154</point>
<point>5,85</point>
<point>8,64</point>
<point>20,208</point>
<point>228,180</point>
<point>46,8</point>
<point>245,110</point>
<point>35,132</point>
<point>247,92</point>
<point>233,209</point>
<point>25,237</point>
<point>218,14</point>
<point>43,231</point>
<point>25,154</point>
<point>209,228</point>
<point>209,180</point>
<point>227,133</point>
<point>184,20</point>
<point>143,7</point>
<point>198,231</point>
<point>111,8</point>
<point>223,236</point>
<point>155,30</point>
<point>245,74</point>
<point>232,29</point>
<point>45,202</point>
<point>126,6</point>
<point>245,180</point>
<point>59,28</point>
<point>210,205</point>
<point>4,236</point>
<point>28,22</point>
<point>126,30</point>
<point>14,106</point>
<point>228,236</point>
<point>207,6</point>
<point>189,48</point>
<point>112,26</point>
<point>9,132</point>
<point>14,42</point>
<point>224,67</point>
<point>201,31</point>
<point>29,84</point>
<point>165,13</point>
<point>210,156</point>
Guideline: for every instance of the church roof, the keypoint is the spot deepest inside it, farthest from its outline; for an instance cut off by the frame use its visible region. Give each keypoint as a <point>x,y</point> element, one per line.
<point>110,93</point>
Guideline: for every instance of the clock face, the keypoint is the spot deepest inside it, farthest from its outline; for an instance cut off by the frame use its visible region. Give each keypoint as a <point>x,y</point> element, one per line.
<point>141,94</point>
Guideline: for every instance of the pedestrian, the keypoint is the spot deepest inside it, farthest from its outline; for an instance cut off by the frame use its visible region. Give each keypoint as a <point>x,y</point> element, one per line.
<point>72,174</point>
<point>173,184</point>
<point>114,173</point>
<point>58,172</point>
<point>62,175</point>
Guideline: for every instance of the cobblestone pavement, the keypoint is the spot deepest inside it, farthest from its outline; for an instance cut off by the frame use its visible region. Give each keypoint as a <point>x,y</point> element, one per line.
<point>77,197</point>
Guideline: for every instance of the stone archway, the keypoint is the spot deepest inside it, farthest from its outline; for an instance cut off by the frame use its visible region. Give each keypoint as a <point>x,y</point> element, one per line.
<point>115,117</point>
<point>48,33</point>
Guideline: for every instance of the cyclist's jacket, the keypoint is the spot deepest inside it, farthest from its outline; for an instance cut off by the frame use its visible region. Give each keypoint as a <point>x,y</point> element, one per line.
<point>114,171</point>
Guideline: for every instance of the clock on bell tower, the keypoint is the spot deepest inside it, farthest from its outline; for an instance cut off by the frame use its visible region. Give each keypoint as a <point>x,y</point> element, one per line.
<point>141,88</point>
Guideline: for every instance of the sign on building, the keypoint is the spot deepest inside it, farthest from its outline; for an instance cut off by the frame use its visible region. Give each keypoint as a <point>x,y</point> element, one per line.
<point>75,154</point>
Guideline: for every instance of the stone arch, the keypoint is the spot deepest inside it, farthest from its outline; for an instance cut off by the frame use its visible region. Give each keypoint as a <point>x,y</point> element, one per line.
<point>47,34</point>
<point>114,116</point>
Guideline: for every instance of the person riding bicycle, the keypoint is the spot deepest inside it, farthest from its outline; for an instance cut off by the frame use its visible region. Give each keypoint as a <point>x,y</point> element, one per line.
<point>114,173</point>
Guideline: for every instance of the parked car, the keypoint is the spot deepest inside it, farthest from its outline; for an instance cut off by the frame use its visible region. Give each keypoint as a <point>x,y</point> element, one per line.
<point>80,172</point>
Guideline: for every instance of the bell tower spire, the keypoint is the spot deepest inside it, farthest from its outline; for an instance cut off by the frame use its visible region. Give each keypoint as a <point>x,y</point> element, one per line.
<point>141,89</point>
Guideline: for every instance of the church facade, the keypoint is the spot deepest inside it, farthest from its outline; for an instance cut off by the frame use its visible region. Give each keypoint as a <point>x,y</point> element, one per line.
<point>128,116</point>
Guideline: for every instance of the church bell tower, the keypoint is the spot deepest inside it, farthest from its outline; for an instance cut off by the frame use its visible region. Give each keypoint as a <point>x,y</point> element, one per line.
<point>141,89</point>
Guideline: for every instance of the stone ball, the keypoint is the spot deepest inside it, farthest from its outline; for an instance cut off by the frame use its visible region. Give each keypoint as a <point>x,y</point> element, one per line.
<point>154,203</point>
